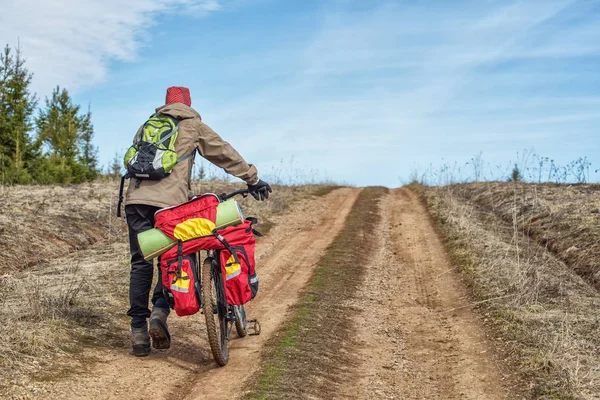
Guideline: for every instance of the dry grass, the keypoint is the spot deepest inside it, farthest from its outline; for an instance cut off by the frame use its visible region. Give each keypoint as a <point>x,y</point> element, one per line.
<point>563,218</point>
<point>39,223</point>
<point>540,306</point>
<point>65,274</point>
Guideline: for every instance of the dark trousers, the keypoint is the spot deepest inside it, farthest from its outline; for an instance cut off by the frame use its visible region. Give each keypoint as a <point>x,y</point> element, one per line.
<point>140,218</point>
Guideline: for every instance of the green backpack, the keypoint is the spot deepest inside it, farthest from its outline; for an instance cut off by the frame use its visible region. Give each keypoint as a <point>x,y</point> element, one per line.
<point>153,154</point>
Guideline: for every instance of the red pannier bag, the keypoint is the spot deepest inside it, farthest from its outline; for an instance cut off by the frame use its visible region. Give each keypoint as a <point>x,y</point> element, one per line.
<point>181,284</point>
<point>238,235</point>
<point>191,220</point>
<point>238,264</point>
<point>184,222</point>
<point>235,246</point>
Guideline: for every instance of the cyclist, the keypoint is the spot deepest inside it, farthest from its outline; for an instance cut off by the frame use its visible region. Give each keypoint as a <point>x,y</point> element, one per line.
<point>145,197</point>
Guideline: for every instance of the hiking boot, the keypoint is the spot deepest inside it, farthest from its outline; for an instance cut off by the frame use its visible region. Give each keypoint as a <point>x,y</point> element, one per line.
<point>140,341</point>
<point>159,331</point>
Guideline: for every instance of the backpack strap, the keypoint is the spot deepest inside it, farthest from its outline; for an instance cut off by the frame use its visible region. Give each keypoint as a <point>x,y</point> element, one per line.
<point>174,131</point>
<point>120,203</point>
<point>193,153</point>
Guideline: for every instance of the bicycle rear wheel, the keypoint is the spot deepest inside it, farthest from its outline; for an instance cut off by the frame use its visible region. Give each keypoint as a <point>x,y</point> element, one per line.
<point>215,310</point>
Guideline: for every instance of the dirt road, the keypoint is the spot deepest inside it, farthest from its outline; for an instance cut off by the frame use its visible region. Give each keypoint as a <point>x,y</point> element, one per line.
<point>419,338</point>
<point>285,260</point>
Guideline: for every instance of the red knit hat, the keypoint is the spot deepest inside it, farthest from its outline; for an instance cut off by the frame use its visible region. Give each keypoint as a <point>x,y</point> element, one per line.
<point>178,94</point>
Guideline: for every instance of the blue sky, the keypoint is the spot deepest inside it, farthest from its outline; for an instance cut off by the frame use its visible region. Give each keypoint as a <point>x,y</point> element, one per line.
<point>360,92</point>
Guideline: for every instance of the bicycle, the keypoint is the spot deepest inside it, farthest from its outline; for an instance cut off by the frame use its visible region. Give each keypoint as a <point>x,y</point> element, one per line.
<point>220,317</point>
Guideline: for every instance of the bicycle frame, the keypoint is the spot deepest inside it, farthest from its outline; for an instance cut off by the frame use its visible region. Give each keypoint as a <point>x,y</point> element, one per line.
<point>227,312</point>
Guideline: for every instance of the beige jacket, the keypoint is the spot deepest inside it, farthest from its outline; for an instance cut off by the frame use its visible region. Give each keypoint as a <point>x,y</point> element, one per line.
<point>193,134</point>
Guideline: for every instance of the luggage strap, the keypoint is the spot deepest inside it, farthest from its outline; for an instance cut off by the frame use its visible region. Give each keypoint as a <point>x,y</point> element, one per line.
<point>178,275</point>
<point>179,258</point>
<point>242,248</point>
<point>226,245</point>
<point>254,221</point>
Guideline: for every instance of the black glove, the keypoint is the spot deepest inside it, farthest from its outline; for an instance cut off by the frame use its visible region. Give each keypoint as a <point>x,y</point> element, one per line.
<point>260,190</point>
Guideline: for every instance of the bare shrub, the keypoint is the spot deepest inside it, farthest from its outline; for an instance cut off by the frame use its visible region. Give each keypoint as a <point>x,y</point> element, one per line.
<point>55,300</point>
<point>530,166</point>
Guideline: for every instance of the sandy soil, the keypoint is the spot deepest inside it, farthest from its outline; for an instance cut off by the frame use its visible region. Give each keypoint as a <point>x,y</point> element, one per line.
<point>420,339</point>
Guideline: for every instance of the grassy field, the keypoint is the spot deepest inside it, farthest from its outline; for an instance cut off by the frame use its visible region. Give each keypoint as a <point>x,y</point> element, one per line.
<point>530,256</point>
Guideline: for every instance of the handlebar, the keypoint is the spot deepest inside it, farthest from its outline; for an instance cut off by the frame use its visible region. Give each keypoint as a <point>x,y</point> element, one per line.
<point>243,192</point>
<point>225,196</point>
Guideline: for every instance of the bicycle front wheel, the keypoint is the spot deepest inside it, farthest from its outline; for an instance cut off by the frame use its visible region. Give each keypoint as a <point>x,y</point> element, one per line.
<point>215,310</point>
<point>241,323</point>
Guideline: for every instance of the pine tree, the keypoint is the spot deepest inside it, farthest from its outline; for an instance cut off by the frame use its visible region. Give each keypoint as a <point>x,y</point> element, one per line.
<point>115,169</point>
<point>199,171</point>
<point>515,175</point>
<point>61,132</point>
<point>88,151</point>
<point>17,105</point>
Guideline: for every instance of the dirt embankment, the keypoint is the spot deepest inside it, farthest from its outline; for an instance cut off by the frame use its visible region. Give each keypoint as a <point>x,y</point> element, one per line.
<point>40,223</point>
<point>563,218</point>
<point>529,254</point>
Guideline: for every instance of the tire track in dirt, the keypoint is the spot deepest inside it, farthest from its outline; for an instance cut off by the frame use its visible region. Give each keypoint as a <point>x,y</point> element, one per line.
<point>285,270</point>
<point>285,262</point>
<point>420,338</point>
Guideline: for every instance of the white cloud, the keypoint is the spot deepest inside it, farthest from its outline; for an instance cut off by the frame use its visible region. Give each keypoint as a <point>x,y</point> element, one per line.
<point>72,42</point>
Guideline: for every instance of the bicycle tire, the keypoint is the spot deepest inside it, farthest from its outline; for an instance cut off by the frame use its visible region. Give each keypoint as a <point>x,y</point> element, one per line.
<point>215,311</point>
<point>241,322</point>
